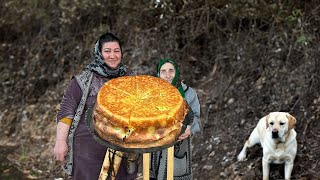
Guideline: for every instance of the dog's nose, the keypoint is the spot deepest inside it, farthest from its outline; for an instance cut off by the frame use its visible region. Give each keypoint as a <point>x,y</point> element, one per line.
<point>275,133</point>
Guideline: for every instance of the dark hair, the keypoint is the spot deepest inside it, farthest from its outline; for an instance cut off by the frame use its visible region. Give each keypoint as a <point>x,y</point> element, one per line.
<point>108,37</point>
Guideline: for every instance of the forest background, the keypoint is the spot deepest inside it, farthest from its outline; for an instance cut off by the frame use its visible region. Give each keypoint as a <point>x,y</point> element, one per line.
<point>245,58</point>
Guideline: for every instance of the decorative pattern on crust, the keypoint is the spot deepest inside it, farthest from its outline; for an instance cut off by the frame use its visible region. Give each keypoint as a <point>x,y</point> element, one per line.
<point>139,112</point>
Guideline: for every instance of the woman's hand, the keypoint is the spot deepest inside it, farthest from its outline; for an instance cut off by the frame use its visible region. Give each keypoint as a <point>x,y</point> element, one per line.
<point>60,150</point>
<point>186,134</point>
<point>61,147</point>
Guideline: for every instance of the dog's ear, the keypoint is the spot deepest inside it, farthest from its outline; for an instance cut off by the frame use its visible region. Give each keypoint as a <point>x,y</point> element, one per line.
<point>267,121</point>
<point>292,121</point>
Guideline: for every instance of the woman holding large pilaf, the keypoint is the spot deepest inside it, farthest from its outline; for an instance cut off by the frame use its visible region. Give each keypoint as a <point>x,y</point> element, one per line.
<point>81,154</point>
<point>167,69</point>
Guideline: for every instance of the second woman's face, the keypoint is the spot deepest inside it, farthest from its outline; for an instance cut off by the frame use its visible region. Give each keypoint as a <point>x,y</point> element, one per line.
<point>167,72</point>
<point>111,54</point>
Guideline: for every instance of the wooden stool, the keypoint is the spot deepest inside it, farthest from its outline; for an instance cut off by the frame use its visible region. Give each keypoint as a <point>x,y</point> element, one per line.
<point>146,165</point>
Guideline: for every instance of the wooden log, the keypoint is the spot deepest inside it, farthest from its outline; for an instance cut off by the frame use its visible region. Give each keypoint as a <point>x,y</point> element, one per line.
<point>111,156</point>
<point>146,166</point>
<point>170,163</point>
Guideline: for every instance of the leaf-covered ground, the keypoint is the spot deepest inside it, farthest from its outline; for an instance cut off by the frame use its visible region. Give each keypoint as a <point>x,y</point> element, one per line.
<point>244,59</point>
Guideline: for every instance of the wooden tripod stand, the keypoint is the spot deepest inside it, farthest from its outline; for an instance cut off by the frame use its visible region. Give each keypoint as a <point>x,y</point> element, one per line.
<point>146,164</point>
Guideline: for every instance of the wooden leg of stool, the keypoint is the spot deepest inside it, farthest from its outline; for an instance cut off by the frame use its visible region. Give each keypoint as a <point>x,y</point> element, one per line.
<point>170,163</point>
<point>106,164</point>
<point>146,166</point>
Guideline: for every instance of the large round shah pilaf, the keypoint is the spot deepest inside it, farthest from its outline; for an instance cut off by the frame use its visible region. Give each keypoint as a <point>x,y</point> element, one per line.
<point>139,112</point>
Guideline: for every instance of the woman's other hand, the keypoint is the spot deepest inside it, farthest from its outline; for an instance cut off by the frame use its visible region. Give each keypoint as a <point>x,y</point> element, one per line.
<point>186,134</point>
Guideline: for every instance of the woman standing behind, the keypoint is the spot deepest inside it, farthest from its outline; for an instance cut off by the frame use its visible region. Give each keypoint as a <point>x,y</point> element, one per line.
<point>167,69</point>
<point>81,154</point>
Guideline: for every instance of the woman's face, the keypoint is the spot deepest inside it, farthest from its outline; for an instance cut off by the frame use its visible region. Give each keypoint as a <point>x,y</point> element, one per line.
<point>111,54</point>
<point>167,72</point>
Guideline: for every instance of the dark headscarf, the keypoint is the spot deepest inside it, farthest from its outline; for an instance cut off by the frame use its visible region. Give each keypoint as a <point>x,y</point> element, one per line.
<point>99,66</point>
<point>176,81</point>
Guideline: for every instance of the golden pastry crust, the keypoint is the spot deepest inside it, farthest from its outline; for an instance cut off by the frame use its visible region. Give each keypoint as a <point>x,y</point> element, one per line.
<point>139,112</point>
<point>171,137</point>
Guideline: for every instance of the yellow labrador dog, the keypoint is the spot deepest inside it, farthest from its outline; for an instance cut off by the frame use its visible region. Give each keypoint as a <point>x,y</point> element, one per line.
<point>277,137</point>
